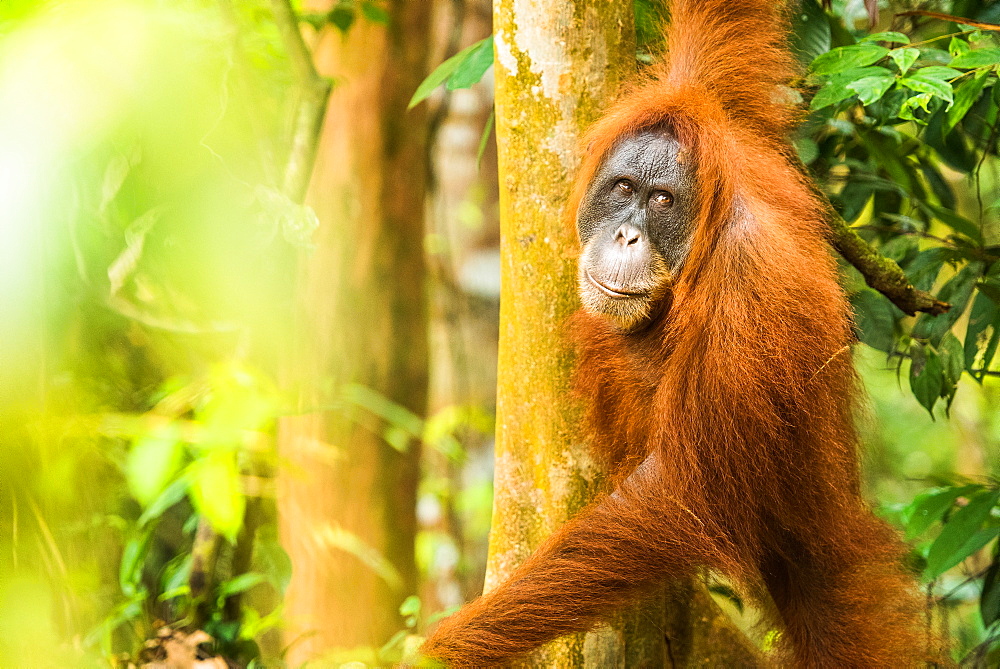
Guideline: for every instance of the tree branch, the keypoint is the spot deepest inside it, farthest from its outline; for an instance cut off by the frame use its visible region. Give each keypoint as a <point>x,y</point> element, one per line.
<point>949,17</point>
<point>881,273</point>
<point>311,106</point>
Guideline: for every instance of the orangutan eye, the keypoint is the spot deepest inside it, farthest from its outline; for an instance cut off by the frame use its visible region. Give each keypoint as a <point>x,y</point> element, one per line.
<point>662,198</point>
<point>625,186</point>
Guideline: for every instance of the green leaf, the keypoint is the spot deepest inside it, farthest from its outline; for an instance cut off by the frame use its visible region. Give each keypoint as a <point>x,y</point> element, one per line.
<point>174,493</point>
<point>394,644</point>
<point>942,189</point>
<point>932,55</point>
<point>937,72</point>
<point>830,95</point>
<point>870,89</point>
<point>928,507</point>
<point>890,36</point>
<point>238,584</point>
<point>903,249</point>
<point>958,46</point>
<point>874,319</point>
<point>982,335</point>
<point>929,85</point>
<point>962,535</point>
<point>952,358</point>
<point>174,578</point>
<point>926,375</point>
<point>956,222</point>
<point>153,463</point>
<point>989,600</point>
<point>472,69</point>
<point>960,553</point>
<point>807,149</point>
<point>923,271</point>
<point>977,58</point>
<point>848,57</point>
<point>395,414</point>
<point>410,606</point>
<point>965,95</point>
<point>810,34</point>
<point>239,400</point>
<point>836,88</point>
<point>485,137</point>
<point>912,103</point>
<point>342,16</point>
<point>252,625</point>
<point>133,558</point>
<point>398,438</point>
<point>442,72</point>
<point>270,559</point>
<point>215,491</point>
<point>957,292</point>
<point>375,13</point>
<point>852,200</point>
<point>886,110</point>
<point>904,58</point>
<point>990,285</point>
<point>114,176</point>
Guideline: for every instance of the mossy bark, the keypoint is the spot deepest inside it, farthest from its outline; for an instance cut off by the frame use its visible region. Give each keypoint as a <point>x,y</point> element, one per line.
<point>347,498</point>
<point>558,63</point>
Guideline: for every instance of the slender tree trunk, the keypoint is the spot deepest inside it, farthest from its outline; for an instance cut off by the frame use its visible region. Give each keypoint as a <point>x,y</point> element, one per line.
<point>558,62</point>
<point>347,498</point>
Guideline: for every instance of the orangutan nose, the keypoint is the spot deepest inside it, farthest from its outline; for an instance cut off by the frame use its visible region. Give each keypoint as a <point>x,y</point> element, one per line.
<point>627,235</point>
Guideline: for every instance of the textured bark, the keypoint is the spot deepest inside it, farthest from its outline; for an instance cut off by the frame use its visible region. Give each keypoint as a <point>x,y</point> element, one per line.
<point>558,63</point>
<point>362,319</point>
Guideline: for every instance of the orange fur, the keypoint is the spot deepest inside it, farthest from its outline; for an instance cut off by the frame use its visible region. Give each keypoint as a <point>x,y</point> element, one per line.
<point>728,423</point>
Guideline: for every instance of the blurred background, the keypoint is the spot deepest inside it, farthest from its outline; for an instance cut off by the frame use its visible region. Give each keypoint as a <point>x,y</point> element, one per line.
<point>249,307</point>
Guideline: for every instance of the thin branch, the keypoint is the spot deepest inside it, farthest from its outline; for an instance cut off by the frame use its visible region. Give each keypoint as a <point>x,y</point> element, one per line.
<point>949,17</point>
<point>311,106</point>
<point>881,273</point>
<point>202,578</point>
<point>948,595</point>
<point>298,52</point>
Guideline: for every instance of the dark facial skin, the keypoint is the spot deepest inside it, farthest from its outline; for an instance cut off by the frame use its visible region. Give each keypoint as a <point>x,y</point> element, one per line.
<point>635,226</point>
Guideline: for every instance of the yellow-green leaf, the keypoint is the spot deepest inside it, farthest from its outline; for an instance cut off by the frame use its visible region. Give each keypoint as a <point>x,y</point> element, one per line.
<point>977,58</point>
<point>848,57</point>
<point>153,462</point>
<point>215,491</point>
<point>443,71</point>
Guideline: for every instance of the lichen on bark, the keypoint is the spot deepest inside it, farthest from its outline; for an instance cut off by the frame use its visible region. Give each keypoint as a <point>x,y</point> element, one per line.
<point>557,65</point>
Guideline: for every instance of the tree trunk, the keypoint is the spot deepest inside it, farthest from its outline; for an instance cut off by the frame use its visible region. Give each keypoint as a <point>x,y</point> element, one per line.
<point>346,497</point>
<point>558,62</point>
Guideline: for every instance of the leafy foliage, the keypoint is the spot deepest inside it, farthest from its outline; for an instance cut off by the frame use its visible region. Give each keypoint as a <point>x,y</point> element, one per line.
<point>953,523</point>
<point>902,137</point>
<point>462,70</point>
<point>893,119</point>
